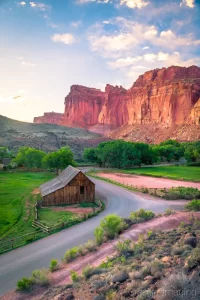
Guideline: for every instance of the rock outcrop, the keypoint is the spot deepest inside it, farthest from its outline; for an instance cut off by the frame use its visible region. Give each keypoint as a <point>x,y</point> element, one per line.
<point>83,106</point>
<point>49,117</point>
<point>159,101</point>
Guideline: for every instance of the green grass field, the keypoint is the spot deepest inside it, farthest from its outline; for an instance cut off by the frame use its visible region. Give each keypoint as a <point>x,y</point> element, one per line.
<point>173,172</point>
<point>51,218</point>
<point>17,202</point>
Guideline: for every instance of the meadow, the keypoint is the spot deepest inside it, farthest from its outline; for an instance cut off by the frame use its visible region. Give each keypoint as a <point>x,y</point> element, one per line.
<point>173,172</point>
<point>17,201</point>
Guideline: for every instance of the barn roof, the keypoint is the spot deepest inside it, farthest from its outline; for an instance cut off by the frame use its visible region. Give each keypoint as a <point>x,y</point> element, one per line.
<point>59,182</point>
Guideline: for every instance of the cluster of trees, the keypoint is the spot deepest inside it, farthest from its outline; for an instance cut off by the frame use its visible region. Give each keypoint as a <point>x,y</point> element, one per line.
<point>122,154</point>
<point>34,158</point>
<point>5,153</point>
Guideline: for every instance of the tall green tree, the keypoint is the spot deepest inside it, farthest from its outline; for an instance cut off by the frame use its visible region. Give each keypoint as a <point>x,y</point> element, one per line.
<point>59,159</point>
<point>29,157</point>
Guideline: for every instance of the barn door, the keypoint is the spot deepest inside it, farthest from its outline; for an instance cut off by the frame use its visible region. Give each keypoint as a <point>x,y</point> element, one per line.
<point>82,193</point>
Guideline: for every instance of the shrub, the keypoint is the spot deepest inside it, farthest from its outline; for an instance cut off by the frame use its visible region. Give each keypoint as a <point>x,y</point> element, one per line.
<point>193,205</point>
<point>194,259</point>
<point>187,193</point>
<point>169,211</point>
<point>123,247</point>
<point>141,215</point>
<point>71,254</point>
<point>175,284</point>
<point>150,234</point>
<point>40,277</point>
<point>145,295</point>
<point>74,276</point>
<point>87,272</point>
<point>90,246</point>
<point>24,284</point>
<point>111,225</point>
<point>99,235</point>
<point>53,265</point>
<point>156,266</point>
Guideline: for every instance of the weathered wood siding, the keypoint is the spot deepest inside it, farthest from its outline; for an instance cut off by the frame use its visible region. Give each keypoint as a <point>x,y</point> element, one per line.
<point>71,193</point>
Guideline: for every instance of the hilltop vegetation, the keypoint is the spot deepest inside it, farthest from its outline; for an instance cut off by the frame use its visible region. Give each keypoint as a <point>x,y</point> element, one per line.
<point>46,137</point>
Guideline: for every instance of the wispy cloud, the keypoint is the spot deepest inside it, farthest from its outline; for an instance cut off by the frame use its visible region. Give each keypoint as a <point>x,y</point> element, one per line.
<point>22,3</point>
<point>20,57</point>
<point>28,64</point>
<point>11,100</point>
<point>76,24</point>
<point>189,3</point>
<point>134,3</point>
<point>40,6</point>
<point>65,38</point>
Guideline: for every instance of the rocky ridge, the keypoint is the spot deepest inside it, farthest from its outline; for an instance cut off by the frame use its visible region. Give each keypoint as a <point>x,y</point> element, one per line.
<point>156,107</point>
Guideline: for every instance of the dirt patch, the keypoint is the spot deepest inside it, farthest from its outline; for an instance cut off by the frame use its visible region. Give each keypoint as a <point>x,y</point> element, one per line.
<point>36,191</point>
<point>62,276</point>
<point>76,210</point>
<point>147,181</point>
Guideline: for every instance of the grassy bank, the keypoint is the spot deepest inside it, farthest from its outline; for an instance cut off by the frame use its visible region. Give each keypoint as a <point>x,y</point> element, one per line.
<point>17,201</point>
<point>185,173</point>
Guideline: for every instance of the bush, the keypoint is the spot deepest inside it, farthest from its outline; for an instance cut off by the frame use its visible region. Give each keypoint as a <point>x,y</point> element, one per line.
<point>123,247</point>
<point>71,254</point>
<point>111,225</point>
<point>74,276</point>
<point>194,259</point>
<point>24,284</point>
<point>99,235</point>
<point>187,193</point>
<point>169,211</point>
<point>53,265</point>
<point>193,205</point>
<point>90,246</point>
<point>87,272</point>
<point>40,277</point>
<point>145,295</point>
<point>175,284</point>
<point>141,215</point>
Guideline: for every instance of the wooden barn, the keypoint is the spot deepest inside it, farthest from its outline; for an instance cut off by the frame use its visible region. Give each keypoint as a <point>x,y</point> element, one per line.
<point>70,187</point>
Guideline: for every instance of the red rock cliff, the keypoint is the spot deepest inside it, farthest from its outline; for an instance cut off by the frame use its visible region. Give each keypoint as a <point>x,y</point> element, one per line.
<point>83,106</point>
<point>49,117</point>
<point>166,97</point>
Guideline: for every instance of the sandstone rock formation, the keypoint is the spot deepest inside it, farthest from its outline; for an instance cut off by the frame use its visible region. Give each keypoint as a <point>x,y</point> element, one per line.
<point>49,117</point>
<point>158,103</point>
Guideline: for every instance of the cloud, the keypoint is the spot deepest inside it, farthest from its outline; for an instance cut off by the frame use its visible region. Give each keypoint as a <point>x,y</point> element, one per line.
<point>20,57</point>
<point>145,48</point>
<point>88,1</point>
<point>40,6</point>
<point>22,3</point>
<point>28,64</point>
<point>134,3</point>
<point>129,61</point>
<point>11,100</point>
<point>189,3</point>
<point>65,38</point>
<point>76,24</point>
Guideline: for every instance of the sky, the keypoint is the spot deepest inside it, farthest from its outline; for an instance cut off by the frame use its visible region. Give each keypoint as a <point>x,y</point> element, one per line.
<point>47,46</point>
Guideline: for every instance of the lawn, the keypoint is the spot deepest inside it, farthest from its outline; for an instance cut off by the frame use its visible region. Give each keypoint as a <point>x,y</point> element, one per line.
<point>17,201</point>
<point>174,172</point>
<point>51,218</point>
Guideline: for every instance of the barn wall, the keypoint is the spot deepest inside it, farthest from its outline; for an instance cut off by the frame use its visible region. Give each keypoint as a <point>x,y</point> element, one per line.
<point>70,194</point>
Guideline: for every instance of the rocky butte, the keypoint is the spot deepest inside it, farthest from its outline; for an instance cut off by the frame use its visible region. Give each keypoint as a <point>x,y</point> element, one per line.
<point>162,103</point>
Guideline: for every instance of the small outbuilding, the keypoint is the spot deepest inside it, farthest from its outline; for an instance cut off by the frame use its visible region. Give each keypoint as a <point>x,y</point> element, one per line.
<point>71,187</point>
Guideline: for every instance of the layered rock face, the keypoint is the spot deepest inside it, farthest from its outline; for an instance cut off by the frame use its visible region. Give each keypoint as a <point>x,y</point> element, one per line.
<point>83,106</point>
<point>163,98</point>
<point>49,117</point>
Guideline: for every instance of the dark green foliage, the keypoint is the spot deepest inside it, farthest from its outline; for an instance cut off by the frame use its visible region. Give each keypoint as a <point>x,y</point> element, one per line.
<point>29,157</point>
<point>193,205</point>
<point>24,284</point>
<point>59,159</point>
<point>141,215</point>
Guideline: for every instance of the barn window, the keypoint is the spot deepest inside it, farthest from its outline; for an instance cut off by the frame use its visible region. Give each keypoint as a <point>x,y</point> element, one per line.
<point>82,190</point>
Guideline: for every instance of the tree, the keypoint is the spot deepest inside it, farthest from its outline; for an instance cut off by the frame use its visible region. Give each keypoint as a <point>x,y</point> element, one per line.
<point>59,159</point>
<point>29,157</point>
<point>4,153</point>
<point>90,155</point>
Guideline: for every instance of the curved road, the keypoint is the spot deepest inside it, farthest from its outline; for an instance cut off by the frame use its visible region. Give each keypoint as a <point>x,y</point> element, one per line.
<point>20,262</point>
